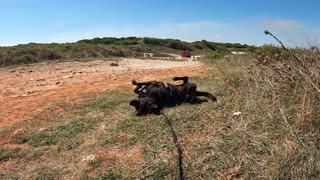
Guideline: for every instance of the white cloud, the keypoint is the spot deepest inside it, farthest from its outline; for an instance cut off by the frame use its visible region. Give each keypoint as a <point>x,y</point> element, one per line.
<point>191,31</point>
<point>281,24</point>
<point>292,32</point>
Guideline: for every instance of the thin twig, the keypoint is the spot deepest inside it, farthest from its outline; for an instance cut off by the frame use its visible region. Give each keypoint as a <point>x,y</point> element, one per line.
<point>268,33</point>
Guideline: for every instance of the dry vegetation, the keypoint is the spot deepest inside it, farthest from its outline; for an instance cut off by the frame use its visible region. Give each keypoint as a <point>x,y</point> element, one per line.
<point>276,136</point>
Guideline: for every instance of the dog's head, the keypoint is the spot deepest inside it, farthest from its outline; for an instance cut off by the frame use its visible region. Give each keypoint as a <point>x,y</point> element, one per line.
<point>145,106</point>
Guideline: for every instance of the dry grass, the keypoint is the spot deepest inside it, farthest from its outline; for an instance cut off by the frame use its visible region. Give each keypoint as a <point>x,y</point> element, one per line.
<point>277,135</point>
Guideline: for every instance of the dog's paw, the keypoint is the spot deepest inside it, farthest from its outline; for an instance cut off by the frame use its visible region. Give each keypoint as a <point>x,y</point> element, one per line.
<point>134,82</point>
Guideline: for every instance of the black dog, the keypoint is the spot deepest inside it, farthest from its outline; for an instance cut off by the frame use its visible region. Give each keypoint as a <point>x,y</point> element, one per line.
<point>153,95</point>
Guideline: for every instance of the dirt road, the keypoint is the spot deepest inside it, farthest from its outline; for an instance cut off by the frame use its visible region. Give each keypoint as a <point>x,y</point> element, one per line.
<point>27,90</point>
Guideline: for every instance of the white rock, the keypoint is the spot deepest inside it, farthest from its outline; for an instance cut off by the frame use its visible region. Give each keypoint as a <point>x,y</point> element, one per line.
<point>237,113</point>
<point>89,158</point>
<point>66,77</point>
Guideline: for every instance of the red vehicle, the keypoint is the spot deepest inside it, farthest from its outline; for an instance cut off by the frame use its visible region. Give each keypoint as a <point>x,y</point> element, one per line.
<point>185,53</point>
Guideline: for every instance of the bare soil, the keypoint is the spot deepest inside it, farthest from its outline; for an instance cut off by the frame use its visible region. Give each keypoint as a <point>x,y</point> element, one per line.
<point>27,90</point>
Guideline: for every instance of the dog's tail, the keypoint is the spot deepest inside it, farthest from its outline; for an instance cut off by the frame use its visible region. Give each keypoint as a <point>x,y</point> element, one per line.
<point>206,94</point>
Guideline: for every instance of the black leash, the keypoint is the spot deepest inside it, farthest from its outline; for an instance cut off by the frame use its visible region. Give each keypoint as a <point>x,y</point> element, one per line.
<point>175,141</point>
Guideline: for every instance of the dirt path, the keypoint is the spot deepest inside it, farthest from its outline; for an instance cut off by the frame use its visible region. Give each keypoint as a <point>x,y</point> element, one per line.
<point>27,90</point>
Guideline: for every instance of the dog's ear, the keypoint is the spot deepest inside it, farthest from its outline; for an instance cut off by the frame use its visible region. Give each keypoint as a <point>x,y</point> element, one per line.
<point>135,103</point>
<point>151,105</point>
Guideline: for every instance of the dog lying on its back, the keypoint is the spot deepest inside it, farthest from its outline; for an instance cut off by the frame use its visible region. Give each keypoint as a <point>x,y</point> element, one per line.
<point>153,95</point>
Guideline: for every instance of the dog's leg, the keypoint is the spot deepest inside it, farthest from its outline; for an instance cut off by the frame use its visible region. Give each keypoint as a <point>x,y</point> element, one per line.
<point>206,94</point>
<point>139,85</point>
<point>134,82</point>
<point>147,83</point>
<point>185,79</point>
<point>137,89</point>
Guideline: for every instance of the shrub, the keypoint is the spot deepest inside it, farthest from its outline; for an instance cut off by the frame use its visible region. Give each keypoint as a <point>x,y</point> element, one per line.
<point>296,77</point>
<point>152,41</point>
<point>48,54</point>
<point>177,44</point>
<point>31,53</point>
<point>214,56</point>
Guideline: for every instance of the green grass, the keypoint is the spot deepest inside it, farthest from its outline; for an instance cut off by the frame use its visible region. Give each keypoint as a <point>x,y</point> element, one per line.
<point>270,140</point>
<point>6,154</point>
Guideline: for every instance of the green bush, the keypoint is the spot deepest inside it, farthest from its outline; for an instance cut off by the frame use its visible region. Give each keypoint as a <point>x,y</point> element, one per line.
<point>177,44</point>
<point>104,48</point>
<point>31,53</point>
<point>152,41</point>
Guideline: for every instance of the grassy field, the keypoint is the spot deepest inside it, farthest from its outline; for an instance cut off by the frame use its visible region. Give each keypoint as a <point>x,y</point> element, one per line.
<point>277,135</point>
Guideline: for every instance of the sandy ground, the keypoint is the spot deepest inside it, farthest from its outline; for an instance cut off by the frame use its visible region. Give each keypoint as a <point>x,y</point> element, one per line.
<point>27,90</point>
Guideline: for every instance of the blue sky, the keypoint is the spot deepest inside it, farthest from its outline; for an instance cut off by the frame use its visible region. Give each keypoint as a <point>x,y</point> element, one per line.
<point>295,22</point>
